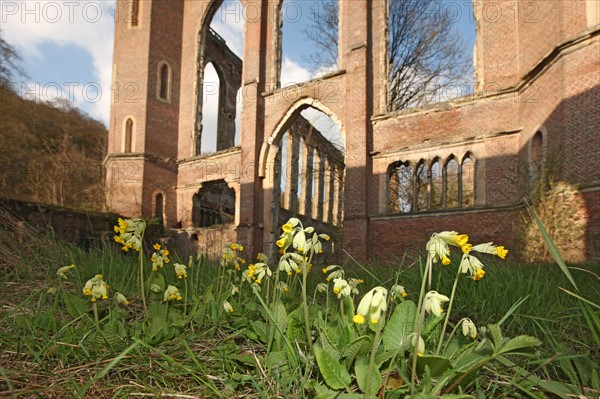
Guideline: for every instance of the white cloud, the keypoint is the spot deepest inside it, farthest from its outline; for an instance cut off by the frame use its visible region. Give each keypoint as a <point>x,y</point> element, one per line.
<point>292,73</point>
<point>89,25</point>
<point>228,22</point>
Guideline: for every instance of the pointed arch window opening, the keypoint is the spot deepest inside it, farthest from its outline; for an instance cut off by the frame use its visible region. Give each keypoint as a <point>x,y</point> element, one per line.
<point>219,103</point>
<point>308,172</point>
<point>305,20</point>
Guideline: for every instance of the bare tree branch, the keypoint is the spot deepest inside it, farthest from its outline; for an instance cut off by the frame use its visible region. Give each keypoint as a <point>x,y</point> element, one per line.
<point>426,55</point>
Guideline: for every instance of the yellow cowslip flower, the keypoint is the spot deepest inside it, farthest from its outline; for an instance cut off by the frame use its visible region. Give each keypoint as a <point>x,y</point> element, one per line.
<point>341,288</point>
<point>227,307</point>
<point>234,289</point>
<point>156,246</point>
<point>96,288</point>
<point>155,288</point>
<point>438,250</point>
<point>130,233</point>
<point>373,303</point>
<point>469,329</point>
<point>287,228</point>
<point>473,266</point>
<point>489,248</point>
<point>420,344</point>
<point>322,287</point>
<point>479,274</point>
<point>324,237</point>
<point>180,270</point>
<point>398,290</point>
<point>62,272</point>
<point>433,302</point>
<point>466,248</point>
<point>121,299</point>
<point>453,238</point>
<point>172,293</point>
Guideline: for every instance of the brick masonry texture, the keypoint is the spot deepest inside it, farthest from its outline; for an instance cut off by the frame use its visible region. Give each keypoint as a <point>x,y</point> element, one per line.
<point>537,69</point>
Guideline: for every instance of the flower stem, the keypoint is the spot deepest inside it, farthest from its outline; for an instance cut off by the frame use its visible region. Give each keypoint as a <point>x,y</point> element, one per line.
<point>95,307</point>
<point>142,282</point>
<point>305,303</point>
<point>372,360</point>
<point>439,347</point>
<point>419,317</point>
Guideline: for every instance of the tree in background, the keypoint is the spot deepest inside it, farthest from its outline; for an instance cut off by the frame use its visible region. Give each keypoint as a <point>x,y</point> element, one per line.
<point>426,55</point>
<point>51,152</point>
<point>9,63</point>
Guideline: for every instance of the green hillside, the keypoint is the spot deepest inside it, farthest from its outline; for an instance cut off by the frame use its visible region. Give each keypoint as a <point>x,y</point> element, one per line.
<point>50,153</point>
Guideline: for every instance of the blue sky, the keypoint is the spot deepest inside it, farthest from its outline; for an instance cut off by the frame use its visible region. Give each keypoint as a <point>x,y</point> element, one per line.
<point>67,46</point>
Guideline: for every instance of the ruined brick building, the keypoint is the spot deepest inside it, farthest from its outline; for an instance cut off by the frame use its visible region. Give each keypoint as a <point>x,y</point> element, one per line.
<point>402,175</point>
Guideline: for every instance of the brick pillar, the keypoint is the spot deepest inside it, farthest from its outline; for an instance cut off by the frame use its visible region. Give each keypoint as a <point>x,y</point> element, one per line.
<point>306,190</point>
<point>317,205</point>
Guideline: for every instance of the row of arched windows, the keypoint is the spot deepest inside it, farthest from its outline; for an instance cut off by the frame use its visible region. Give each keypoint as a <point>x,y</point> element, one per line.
<point>431,185</point>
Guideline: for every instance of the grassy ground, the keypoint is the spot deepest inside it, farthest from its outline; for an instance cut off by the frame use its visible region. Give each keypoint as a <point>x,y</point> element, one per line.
<point>45,351</point>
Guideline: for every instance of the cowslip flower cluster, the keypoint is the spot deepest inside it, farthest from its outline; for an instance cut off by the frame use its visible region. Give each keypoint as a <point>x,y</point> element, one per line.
<point>290,263</point>
<point>130,233</point>
<point>180,270</point>
<point>398,291</point>
<point>96,288</point>
<point>433,302</point>
<point>341,288</point>
<point>438,245</point>
<point>256,272</point>
<point>62,272</point>
<point>295,235</point>
<point>230,256</point>
<point>473,266</point>
<point>171,294</point>
<point>469,329</point>
<point>159,257</point>
<point>373,304</point>
<point>121,299</point>
<point>227,307</point>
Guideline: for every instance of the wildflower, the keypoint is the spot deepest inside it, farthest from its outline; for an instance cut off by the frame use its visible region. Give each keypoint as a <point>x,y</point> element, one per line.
<point>341,288</point>
<point>354,282</point>
<point>51,291</point>
<point>453,238</point>
<point>172,293</point>
<point>287,228</point>
<point>234,290</point>
<point>180,270</point>
<point>62,272</point>
<point>336,272</point>
<point>121,299</point>
<point>433,302</point>
<point>156,246</point>
<point>373,303</point>
<point>479,274</point>
<point>324,237</point>
<point>155,288</point>
<point>282,286</point>
<point>489,248</point>
<point>130,232</point>
<point>96,288</point>
<point>159,258</point>
<point>227,307</point>
<point>322,287</point>
<point>261,270</point>
<point>473,266</point>
<point>398,290</point>
<point>438,250</point>
<point>469,329</point>
<point>420,344</point>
